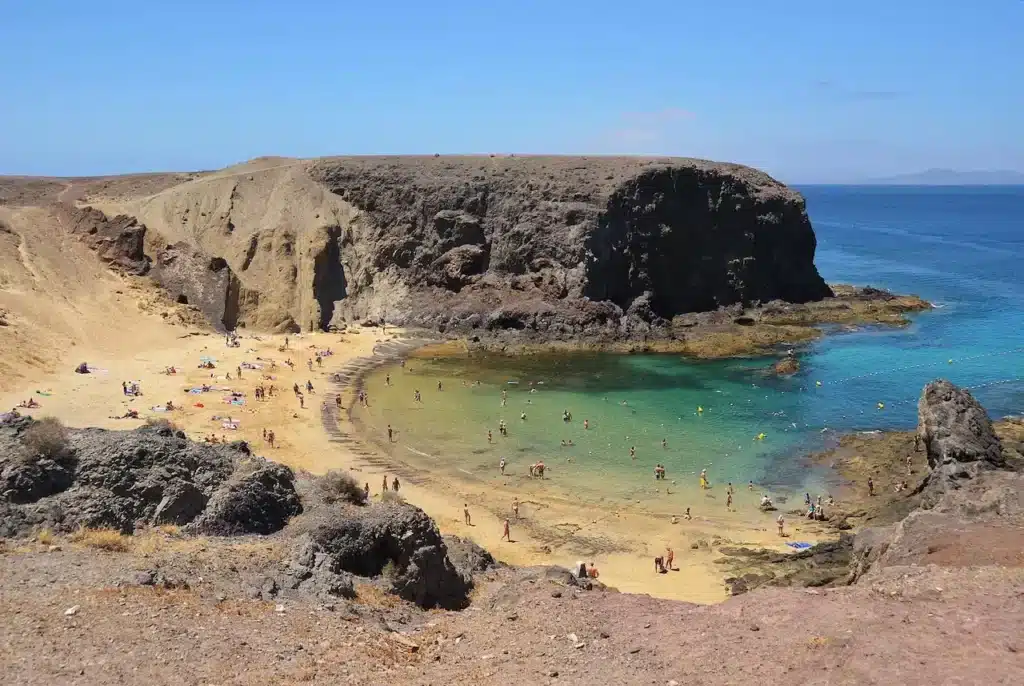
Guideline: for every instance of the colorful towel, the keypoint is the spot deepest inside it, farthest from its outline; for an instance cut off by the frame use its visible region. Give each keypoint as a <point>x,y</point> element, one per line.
<point>798,545</point>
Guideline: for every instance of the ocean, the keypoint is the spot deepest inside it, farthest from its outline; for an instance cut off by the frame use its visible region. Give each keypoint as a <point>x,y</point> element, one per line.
<point>960,248</point>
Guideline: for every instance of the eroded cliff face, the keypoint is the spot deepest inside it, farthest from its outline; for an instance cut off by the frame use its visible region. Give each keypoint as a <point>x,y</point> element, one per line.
<point>565,246</point>
<point>555,247</point>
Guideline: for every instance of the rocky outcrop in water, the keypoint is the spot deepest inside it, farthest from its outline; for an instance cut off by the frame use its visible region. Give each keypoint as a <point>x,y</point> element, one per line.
<point>957,435</point>
<point>123,479</point>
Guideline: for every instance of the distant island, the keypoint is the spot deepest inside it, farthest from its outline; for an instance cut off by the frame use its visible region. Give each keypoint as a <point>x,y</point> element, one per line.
<point>952,177</point>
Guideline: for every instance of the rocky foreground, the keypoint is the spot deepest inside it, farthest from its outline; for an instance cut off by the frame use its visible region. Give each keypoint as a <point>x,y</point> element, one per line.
<point>138,556</point>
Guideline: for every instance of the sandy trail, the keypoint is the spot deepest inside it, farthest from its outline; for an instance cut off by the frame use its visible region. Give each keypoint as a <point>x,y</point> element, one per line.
<point>554,527</point>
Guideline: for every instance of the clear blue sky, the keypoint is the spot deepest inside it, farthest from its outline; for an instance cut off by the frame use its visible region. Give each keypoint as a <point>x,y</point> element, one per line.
<point>808,90</point>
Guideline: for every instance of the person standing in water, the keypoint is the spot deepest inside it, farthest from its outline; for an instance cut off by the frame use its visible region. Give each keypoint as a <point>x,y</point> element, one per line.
<point>439,385</point>
<point>781,521</point>
<point>490,436</point>
<point>632,452</point>
<point>395,485</point>
<point>384,485</point>
<point>501,466</point>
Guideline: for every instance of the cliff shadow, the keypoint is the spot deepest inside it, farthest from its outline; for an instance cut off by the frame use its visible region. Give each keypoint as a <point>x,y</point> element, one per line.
<point>329,282</point>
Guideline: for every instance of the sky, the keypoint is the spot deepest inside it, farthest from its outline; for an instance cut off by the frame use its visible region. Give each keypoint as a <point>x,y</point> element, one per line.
<point>810,91</point>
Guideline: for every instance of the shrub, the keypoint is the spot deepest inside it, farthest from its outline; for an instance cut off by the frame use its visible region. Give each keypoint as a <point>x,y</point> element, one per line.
<point>103,539</point>
<point>160,423</point>
<point>337,486</point>
<point>390,570</point>
<point>45,537</point>
<point>391,497</point>
<point>47,437</point>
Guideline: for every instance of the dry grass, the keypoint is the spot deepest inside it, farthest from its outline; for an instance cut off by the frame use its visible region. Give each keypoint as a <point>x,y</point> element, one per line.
<point>391,497</point>
<point>103,539</point>
<point>45,537</point>
<point>161,423</point>
<point>374,596</point>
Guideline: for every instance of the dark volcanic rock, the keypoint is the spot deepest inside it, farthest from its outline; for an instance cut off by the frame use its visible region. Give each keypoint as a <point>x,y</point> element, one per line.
<point>119,479</point>
<point>565,247</point>
<point>468,557</point>
<point>958,437</point>
<point>261,502</point>
<point>399,541</point>
<point>118,241</point>
<point>209,284</point>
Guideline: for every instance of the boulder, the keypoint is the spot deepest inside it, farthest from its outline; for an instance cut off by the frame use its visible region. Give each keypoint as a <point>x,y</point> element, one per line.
<point>957,435</point>
<point>786,366</point>
<point>397,541</point>
<point>260,502</point>
<point>468,557</point>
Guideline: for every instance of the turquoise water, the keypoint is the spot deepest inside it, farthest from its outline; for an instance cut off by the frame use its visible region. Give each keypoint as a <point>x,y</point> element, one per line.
<point>960,248</point>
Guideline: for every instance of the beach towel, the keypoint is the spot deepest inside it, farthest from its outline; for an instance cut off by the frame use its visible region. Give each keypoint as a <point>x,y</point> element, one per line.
<point>798,545</point>
<point>199,405</point>
<point>230,426</point>
<point>159,408</point>
<point>44,393</point>
<point>97,370</point>
<point>207,359</point>
<point>195,391</point>
<point>238,401</point>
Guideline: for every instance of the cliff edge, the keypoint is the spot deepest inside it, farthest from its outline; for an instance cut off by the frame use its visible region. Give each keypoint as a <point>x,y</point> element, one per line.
<point>566,247</point>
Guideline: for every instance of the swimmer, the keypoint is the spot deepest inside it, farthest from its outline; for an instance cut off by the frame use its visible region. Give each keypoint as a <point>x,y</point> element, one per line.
<point>664,443</point>
<point>632,452</point>
<point>523,416</point>
<point>586,423</point>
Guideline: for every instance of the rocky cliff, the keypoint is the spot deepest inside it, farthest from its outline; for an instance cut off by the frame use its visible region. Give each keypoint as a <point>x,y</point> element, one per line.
<point>558,246</point>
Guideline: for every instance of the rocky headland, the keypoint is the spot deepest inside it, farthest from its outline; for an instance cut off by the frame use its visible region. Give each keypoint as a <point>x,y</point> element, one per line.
<point>508,253</point>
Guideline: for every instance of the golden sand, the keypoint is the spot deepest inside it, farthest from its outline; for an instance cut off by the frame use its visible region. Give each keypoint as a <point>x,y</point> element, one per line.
<point>554,527</point>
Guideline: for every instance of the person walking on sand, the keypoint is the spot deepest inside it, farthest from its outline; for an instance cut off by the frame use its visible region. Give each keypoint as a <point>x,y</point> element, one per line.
<point>728,500</point>
<point>395,485</point>
<point>387,380</point>
<point>465,515</point>
<point>366,491</point>
<point>270,438</point>
<point>871,486</point>
<point>506,533</point>
<point>781,521</point>
<point>515,507</point>
<point>439,385</point>
<point>302,401</point>
<point>391,434</point>
<point>670,555</point>
<point>384,485</point>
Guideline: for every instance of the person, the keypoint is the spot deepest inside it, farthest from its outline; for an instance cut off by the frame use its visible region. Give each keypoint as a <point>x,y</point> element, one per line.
<point>387,380</point>
<point>309,364</point>
<point>239,370</point>
<point>501,466</point>
<point>124,388</point>
<point>506,532</point>
<point>417,396</point>
<point>687,515</point>
<point>781,521</point>
<point>395,485</point>
<point>910,464</point>
<point>729,489</point>
<point>384,484</point>
<point>295,388</point>
<point>465,515</point>
<point>490,436</point>
<point>670,555</point>
<point>728,500</point>
<point>337,401</point>
<point>523,416</point>
<point>586,423</point>
<point>270,438</point>
<point>515,507</point>
<point>581,570</point>
<point>366,491</point>
<point>807,498</point>
<point>659,565</point>
<point>750,485</point>
<point>319,361</point>
<point>439,385</point>
<point>664,443</point>
<point>632,452</point>
<point>302,401</point>
<point>391,434</point>
<point>309,386</point>
<point>871,486</point>
<point>592,571</point>
<point>264,434</point>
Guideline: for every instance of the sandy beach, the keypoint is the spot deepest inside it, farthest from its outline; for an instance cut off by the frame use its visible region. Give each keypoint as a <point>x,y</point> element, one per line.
<point>554,526</point>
